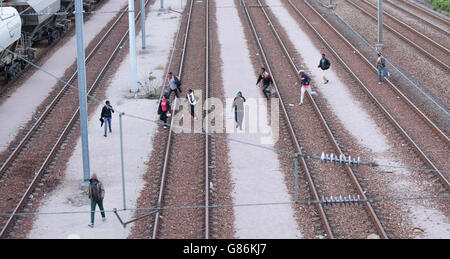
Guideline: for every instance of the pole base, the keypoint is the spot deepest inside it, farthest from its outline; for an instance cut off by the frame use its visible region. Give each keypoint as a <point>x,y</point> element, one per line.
<point>84,186</point>
<point>379,46</point>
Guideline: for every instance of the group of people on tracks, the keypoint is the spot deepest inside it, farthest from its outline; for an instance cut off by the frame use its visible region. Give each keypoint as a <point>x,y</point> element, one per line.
<point>264,81</point>
<point>96,189</point>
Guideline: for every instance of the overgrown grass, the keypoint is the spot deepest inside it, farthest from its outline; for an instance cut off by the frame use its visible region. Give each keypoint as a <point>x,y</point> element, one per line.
<point>440,4</point>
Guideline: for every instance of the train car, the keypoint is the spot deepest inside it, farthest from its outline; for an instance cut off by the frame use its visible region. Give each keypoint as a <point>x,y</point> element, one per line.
<point>41,20</point>
<point>10,39</point>
<point>24,23</point>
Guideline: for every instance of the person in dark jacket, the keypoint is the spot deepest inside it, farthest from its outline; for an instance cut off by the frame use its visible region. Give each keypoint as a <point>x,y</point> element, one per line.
<point>381,67</point>
<point>324,64</point>
<point>265,80</point>
<point>107,116</point>
<point>305,81</point>
<point>238,106</point>
<point>163,110</point>
<point>96,194</point>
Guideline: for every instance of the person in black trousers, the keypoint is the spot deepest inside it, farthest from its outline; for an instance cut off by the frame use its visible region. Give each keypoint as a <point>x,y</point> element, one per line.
<point>266,81</point>
<point>106,115</point>
<point>163,110</point>
<point>192,101</point>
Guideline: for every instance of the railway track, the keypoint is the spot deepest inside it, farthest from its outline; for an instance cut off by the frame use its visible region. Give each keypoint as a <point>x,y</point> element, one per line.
<point>5,87</point>
<point>187,155</point>
<point>29,162</point>
<point>429,14</point>
<point>315,175</point>
<point>427,46</point>
<point>405,116</point>
<point>443,28</point>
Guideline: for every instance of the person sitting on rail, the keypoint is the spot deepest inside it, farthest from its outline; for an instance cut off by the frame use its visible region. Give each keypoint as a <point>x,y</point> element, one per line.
<point>266,80</point>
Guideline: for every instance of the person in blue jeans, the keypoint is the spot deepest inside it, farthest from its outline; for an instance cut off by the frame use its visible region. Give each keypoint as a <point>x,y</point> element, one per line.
<point>107,116</point>
<point>381,66</point>
<point>96,194</point>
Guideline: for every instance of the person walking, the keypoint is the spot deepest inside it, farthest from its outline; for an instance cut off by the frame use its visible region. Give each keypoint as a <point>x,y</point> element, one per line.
<point>265,80</point>
<point>164,110</point>
<point>381,67</point>
<point>324,65</point>
<point>96,194</point>
<point>305,81</point>
<point>238,105</point>
<point>192,101</point>
<point>106,115</point>
<point>174,85</point>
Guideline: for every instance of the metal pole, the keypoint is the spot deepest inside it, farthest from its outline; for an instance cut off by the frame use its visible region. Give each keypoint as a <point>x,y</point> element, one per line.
<point>132,36</point>
<point>380,24</point>
<point>82,96</point>
<point>296,177</point>
<point>122,161</point>
<point>162,5</point>
<point>143,24</point>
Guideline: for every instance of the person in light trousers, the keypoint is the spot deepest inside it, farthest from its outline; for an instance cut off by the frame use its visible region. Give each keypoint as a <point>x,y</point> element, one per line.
<point>305,81</point>
<point>324,64</point>
<point>107,116</point>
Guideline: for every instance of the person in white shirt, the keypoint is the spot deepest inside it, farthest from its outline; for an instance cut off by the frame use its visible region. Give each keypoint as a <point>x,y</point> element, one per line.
<point>192,101</point>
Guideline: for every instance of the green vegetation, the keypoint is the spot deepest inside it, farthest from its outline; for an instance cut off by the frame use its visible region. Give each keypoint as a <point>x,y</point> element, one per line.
<point>440,4</point>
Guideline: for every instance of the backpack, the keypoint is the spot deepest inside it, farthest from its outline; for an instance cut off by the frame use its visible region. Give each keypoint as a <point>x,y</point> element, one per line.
<point>327,64</point>
<point>177,81</point>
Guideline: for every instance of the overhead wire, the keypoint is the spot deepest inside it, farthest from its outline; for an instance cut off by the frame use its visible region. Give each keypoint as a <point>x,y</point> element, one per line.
<point>306,156</point>
<point>218,206</point>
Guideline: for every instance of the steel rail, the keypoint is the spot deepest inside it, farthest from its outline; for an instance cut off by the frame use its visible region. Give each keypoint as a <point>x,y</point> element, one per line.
<point>319,206</point>
<point>58,97</point>
<point>169,139</point>
<point>351,174</point>
<point>67,129</point>
<point>427,12</point>
<point>207,125</point>
<point>437,130</point>
<point>419,18</point>
<point>401,36</point>
<point>411,29</point>
<point>376,101</point>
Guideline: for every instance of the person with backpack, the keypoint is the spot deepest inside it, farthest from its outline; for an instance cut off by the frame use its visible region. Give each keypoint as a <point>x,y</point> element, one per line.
<point>238,106</point>
<point>192,99</point>
<point>164,110</point>
<point>381,67</point>
<point>174,85</point>
<point>305,81</point>
<point>265,80</point>
<point>106,116</point>
<point>324,64</point>
<point>96,194</point>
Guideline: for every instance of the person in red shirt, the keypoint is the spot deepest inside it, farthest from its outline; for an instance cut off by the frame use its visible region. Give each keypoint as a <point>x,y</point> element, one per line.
<point>163,110</point>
